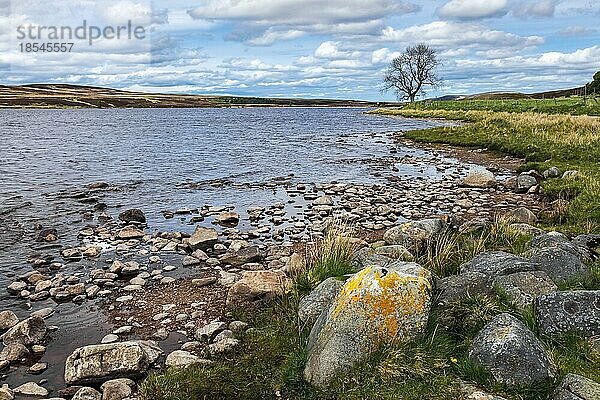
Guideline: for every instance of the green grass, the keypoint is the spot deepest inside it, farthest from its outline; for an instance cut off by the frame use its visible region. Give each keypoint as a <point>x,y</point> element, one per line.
<point>566,105</point>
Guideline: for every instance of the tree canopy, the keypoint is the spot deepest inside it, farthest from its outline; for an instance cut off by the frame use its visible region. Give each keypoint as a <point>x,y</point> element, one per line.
<point>594,86</point>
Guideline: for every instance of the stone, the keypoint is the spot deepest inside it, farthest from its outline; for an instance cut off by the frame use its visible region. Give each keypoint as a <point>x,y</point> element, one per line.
<point>569,312</point>
<point>203,238</point>
<point>479,178</point>
<point>8,319</point>
<point>395,252</point>
<point>525,182</point>
<point>110,338</point>
<point>27,332</point>
<point>238,326</point>
<point>223,346</point>
<point>552,172</point>
<point>31,389</point>
<point>496,263</point>
<point>257,286</point>
<point>130,232</point>
<point>570,174</point>
<point>209,331</point>
<point>181,358</point>
<point>521,214</point>
<point>98,363</point>
<point>38,368</point>
<point>228,219</point>
<point>14,352</point>
<point>577,387</point>
<point>87,393</point>
<point>133,215</point>
<point>414,235</point>
<point>522,288</point>
<point>241,256</point>
<point>376,306</point>
<point>560,264</point>
<point>6,393</point>
<point>525,229</point>
<point>511,353</point>
<point>118,389</point>
<point>202,282</point>
<point>16,287</point>
<point>323,201</point>
<point>311,306</point>
<point>454,288</point>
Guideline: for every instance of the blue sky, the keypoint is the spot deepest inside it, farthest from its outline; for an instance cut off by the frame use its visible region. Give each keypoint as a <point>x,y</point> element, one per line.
<point>308,48</point>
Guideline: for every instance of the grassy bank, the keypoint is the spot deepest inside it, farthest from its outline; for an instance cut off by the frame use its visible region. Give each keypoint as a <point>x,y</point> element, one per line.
<point>566,141</point>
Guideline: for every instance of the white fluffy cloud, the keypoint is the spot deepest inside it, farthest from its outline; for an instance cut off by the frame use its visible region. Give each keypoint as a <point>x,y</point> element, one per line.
<point>473,9</point>
<point>537,9</point>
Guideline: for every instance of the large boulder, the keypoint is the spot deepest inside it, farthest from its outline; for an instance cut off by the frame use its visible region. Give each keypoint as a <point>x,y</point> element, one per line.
<point>376,306</point>
<point>99,363</point>
<point>577,387</point>
<point>562,312</point>
<point>118,389</point>
<point>257,286</point>
<point>27,332</point>
<point>311,306</point>
<point>561,265</point>
<point>511,352</point>
<point>578,248</point>
<point>523,287</point>
<point>496,263</point>
<point>457,287</point>
<point>414,235</point>
<point>479,178</point>
<point>203,238</point>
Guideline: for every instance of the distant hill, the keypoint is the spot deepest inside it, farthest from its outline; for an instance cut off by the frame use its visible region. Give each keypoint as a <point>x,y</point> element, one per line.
<point>74,96</point>
<point>515,95</point>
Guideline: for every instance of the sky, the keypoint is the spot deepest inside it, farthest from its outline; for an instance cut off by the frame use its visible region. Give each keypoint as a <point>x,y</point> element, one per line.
<point>302,48</point>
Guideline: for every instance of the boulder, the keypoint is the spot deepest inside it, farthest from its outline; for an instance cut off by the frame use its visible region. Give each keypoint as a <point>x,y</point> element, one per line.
<point>523,287</point>
<point>31,389</point>
<point>552,172</point>
<point>525,182</point>
<point>209,331</point>
<point>511,352</point>
<point>560,264</point>
<point>27,332</point>
<point>87,393</point>
<point>376,306</point>
<point>395,252</point>
<point>8,319</point>
<point>228,219</point>
<point>241,256</point>
<point>6,393</point>
<point>496,263</point>
<point>577,387</point>
<point>574,311</point>
<point>14,352</point>
<point>457,287</point>
<point>223,346</point>
<point>203,238</point>
<point>257,286</point>
<point>521,214</point>
<point>133,215</point>
<point>118,389</point>
<point>180,358</point>
<point>414,235</point>
<point>479,178</point>
<point>323,201</point>
<point>98,363</point>
<point>130,232</point>
<point>311,306</point>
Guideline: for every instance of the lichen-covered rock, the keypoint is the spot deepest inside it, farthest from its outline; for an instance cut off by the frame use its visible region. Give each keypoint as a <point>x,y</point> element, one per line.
<point>118,389</point>
<point>414,235</point>
<point>511,352</point>
<point>27,332</point>
<point>203,238</point>
<point>559,264</point>
<point>98,363</point>
<point>574,311</point>
<point>457,287</point>
<point>523,287</point>
<point>311,306</point>
<point>378,305</point>
<point>577,387</point>
<point>557,239</point>
<point>257,286</point>
<point>479,178</point>
<point>496,263</point>
<point>87,393</point>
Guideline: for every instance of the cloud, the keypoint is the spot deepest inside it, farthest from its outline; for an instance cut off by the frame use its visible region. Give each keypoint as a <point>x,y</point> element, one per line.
<point>537,9</point>
<point>575,31</point>
<point>270,36</point>
<point>451,34</point>
<point>383,55</point>
<point>473,9</point>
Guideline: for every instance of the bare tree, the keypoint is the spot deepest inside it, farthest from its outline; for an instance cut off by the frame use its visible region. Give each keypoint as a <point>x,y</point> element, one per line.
<point>411,72</point>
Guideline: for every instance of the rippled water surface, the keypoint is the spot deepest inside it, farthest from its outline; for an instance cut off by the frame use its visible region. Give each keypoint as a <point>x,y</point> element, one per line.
<point>163,160</point>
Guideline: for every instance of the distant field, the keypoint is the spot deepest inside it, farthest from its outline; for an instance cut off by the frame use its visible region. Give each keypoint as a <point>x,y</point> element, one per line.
<point>565,105</point>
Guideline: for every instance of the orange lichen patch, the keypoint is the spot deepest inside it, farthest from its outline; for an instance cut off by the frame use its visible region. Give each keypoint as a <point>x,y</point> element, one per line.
<point>388,300</point>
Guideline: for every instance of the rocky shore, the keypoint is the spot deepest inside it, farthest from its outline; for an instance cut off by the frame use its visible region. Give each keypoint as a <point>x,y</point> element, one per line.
<point>156,286</point>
